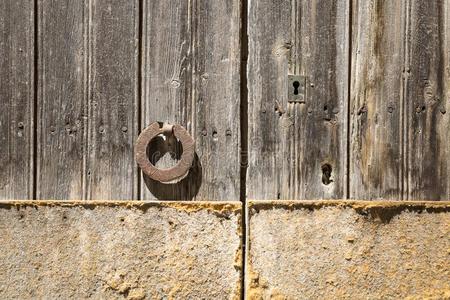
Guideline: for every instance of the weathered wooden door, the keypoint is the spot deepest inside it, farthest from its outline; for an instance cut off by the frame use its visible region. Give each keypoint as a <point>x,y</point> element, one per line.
<point>80,80</point>
<point>285,100</point>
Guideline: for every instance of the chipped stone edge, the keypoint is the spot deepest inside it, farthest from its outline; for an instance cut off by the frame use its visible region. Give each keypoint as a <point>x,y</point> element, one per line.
<point>187,206</point>
<point>354,204</point>
<point>255,286</point>
<point>239,262</point>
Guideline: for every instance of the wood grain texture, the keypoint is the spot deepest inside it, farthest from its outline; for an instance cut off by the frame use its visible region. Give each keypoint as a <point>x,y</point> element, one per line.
<point>62,98</point>
<point>377,99</point>
<point>16,98</point>
<point>88,104</point>
<point>399,97</point>
<point>427,147</point>
<point>191,65</point>
<point>113,99</point>
<point>374,123</point>
<point>291,145</point>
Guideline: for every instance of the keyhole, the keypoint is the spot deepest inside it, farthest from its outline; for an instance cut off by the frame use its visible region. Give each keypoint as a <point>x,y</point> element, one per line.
<point>296,84</point>
<point>326,174</point>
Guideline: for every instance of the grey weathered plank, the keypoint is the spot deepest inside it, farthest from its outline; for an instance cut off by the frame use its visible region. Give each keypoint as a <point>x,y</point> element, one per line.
<point>292,144</point>
<point>16,98</point>
<point>399,95</point>
<point>165,68</point>
<point>427,142</point>
<point>62,98</point>
<point>113,99</point>
<point>87,117</point>
<point>376,99</point>
<point>191,65</point>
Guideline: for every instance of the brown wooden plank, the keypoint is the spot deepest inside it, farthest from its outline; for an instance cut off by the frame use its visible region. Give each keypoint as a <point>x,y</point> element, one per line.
<point>62,94</point>
<point>377,99</point>
<point>293,145</point>
<point>191,77</point>
<point>427,143</point>
<point>113,99</point>
<point>16,98</point>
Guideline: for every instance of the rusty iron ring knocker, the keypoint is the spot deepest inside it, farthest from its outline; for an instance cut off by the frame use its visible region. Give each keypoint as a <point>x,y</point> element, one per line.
<point>171,174</point>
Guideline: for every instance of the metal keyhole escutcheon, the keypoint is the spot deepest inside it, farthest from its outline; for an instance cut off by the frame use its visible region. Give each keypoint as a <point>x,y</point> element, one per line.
<point>171,174</point>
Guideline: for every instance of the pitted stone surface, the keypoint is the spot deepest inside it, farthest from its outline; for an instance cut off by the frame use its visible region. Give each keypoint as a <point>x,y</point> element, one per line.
<point>120,250</point>
<point>342,250</point>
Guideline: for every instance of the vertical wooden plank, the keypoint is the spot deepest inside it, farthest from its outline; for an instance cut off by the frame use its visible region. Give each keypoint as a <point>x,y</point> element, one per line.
<point>216,96</point>
<point>399,99</point>
<point>428,97</point>
<point>113,99</point>
<point>376,99</point>
<point>191,65</point>
<point>294,146</point>
<point>16,98</point>
<point>166,75</point>
<point>62,113</point>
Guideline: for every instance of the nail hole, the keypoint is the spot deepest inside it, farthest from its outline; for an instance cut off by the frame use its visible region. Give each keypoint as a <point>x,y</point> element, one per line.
<point>326,174</point>
<point>420,109</point>
<point>296,84</point>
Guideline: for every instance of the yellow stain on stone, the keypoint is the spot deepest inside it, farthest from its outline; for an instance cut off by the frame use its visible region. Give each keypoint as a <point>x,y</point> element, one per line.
<point>121,249</point>
<point>376,249</point>
<point>187,206</point>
